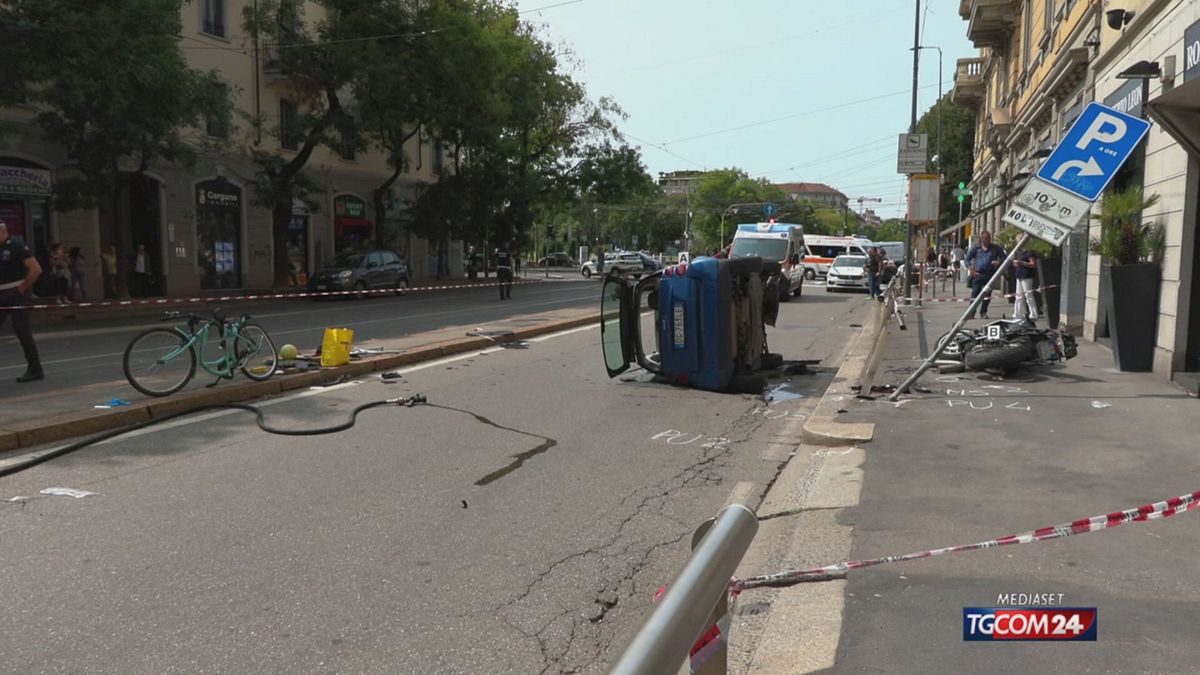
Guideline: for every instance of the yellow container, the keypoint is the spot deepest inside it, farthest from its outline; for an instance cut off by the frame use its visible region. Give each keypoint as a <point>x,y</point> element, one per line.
<point>335,348</point>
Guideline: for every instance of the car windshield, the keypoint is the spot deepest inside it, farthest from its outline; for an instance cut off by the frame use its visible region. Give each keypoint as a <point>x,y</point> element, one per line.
<point>347,260</point>
<point>767,249</point>
<point>850,261</point>
<point>893,251</point>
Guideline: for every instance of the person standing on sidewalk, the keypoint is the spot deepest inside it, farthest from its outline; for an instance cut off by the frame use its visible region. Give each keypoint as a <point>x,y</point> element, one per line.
<point>141,273</point>
<point>1026,266</point>
<point>982,261</point>
<point>60,272</point>
<point>78,292</point>
<point>874,265</point>
<point>18,270</point>
<point>108,263</point>
<point>504,271</point>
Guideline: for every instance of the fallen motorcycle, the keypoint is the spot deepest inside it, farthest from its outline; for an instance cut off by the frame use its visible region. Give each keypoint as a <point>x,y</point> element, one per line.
<point>1007,345</point>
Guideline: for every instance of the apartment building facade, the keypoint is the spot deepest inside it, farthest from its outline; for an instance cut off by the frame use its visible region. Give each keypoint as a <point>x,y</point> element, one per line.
<point>199,226</point>
<point>1040,63</point>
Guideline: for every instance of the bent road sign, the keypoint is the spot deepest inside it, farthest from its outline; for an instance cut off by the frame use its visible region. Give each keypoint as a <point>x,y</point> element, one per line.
<point>1092,151</point>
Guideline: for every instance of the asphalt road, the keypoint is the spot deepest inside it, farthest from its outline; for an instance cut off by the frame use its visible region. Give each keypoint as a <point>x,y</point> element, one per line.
<point>521,523</point>
<point>76,354</point>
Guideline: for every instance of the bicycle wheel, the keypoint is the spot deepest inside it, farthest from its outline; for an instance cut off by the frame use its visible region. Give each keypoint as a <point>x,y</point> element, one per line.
<point>256,353</point>
<point>159,362</point>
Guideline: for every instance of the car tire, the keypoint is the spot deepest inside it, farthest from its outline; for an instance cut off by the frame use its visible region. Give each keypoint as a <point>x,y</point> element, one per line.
<point>799,290</point>
<point>745,266</point>
<point>401,285</point>
<point>360,290</point>
<point>586,272</point>
<point>810,274</point>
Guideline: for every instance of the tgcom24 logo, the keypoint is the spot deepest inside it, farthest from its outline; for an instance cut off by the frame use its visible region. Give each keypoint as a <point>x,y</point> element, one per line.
<point>1055,624</point>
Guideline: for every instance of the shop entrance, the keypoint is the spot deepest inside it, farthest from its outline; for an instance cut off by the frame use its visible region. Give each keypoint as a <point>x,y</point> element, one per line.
<point>219,234</point>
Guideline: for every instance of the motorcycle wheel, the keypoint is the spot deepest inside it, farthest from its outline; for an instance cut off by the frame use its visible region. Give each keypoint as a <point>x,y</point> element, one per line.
<point>954,350</point>
<point>1006,357</point>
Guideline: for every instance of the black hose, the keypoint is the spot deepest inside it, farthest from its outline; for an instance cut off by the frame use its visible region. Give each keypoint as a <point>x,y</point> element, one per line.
<point>258,416</point>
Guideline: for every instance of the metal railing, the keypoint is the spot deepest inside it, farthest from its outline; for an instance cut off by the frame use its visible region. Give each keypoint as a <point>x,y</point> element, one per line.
<point>687,609</point>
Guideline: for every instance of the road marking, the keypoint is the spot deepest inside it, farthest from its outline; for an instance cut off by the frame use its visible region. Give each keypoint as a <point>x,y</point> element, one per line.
<point>354,324</point>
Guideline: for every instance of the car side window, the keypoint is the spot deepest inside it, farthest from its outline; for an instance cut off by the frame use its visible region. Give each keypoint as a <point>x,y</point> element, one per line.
<point>374,260</point>
<point>390,258</point>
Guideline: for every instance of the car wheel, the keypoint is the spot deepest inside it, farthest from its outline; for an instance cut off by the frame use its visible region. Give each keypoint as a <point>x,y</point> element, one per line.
<point>401,285</point>
<point>360,290</point>
<point>799,290</point>
<point>810,274</point>
<point>586,272</point>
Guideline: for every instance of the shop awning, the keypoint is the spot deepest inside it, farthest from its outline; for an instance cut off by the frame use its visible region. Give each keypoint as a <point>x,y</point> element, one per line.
<point>1178,111</point>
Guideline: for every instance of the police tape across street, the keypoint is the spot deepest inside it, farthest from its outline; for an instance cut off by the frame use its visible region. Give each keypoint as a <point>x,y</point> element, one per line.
<point>137,302</point>
<point>1140,514</point>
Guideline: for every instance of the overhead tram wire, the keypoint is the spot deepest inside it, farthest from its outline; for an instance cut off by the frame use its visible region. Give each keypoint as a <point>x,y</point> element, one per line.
<point>785,118</point>
<point>848,152</point>
<point>662,148</point>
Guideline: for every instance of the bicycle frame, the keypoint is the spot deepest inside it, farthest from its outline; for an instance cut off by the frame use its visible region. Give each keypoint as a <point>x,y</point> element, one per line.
<point>227,364</point>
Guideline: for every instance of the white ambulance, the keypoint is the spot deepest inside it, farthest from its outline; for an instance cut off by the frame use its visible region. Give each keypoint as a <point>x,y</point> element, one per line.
<point>779,242</point>
<point>821,250</point>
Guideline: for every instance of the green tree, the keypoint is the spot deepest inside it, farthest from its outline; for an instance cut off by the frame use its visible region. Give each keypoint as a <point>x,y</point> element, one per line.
<point>112,87</point>
<point>317,73</point>
<point>957,148</point>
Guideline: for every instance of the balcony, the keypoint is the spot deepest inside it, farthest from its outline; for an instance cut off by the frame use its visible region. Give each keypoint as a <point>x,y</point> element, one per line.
<point>990,23</point>
<point>969,87</point>
<point>269,56</point>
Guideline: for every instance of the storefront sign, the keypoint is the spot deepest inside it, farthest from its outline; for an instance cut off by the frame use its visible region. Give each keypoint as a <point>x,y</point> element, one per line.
<point>348,206</point>
<point>1191,52</point>
<point>217,194</point>
<point>15,180</point>
<point>1127,99</point>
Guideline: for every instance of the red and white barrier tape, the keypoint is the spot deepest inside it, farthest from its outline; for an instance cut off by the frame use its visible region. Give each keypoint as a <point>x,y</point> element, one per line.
<point>1163,509</point>
<point>1006,295</point>
<point>259,296</point>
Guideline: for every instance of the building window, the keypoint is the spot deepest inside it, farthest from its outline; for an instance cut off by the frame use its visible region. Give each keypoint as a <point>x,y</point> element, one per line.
<point>346,147</point>
<point>438,157</point>
<point>289,134</point>
<point>212,17</point>
<point>217,126</point>
<point>1027,39</point>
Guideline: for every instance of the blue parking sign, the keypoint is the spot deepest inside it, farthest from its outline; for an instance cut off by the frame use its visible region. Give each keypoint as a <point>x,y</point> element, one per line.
<point>1092,151</point>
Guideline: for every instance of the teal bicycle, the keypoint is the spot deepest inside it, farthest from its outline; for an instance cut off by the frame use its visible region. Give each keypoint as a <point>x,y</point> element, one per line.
<point>161,361</point>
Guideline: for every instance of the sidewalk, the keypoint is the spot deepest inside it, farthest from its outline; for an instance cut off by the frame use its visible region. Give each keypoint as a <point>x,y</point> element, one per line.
<point>33,419</point>
<point>973,457</point>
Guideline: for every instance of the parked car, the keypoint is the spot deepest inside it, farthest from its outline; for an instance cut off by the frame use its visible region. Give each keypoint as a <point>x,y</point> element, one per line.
<point>847,272</point>
<point>649,264</point>
<point>361,271</point>
<point>621,263</point>
<point>557,260</point>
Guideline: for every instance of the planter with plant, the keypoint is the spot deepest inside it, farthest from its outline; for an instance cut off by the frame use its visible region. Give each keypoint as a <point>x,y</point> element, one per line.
<point>1133,252</point>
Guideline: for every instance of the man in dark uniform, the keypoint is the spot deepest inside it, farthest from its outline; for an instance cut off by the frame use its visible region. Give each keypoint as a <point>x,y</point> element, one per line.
<point>18,270</point>
<point>504,271</point>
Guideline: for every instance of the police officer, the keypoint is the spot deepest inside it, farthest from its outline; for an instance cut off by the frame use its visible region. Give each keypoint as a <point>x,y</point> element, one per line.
<point>504,271</point>
<point>18,270</point>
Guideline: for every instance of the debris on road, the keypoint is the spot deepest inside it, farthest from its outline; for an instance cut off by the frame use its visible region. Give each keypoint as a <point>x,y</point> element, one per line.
<point>66,492</point>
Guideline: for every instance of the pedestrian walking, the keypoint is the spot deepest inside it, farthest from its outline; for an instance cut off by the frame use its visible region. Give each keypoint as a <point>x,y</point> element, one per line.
<point>982,261</point>
<point>1026,266</point>
<point>18,271</point>
<point>141,272</point>
<point>517,263</point>
<point>874,265</point>
<point>956,260</point>
<point>108,267</point>
<point>504,271</point>
<point>77,292</point>
<point>60,272</point>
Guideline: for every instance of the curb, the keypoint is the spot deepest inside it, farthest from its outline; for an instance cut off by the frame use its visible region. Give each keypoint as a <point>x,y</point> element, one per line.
<point>64,426</point>
<point>822,427</point>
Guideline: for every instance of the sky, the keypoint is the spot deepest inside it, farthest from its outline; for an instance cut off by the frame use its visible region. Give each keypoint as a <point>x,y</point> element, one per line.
<point>704,82</point>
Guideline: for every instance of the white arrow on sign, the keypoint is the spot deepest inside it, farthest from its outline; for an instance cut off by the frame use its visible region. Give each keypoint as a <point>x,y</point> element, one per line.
<point>1088,168</point>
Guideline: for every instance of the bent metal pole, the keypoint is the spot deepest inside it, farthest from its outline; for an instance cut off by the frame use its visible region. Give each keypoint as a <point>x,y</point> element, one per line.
<point>987,291</point>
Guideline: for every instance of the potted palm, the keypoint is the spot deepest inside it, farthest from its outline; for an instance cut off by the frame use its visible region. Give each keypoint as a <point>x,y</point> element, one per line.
<point>1133,252</point>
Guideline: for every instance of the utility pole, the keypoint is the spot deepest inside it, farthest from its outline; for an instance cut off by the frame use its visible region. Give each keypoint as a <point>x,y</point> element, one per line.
<point>912,129</point>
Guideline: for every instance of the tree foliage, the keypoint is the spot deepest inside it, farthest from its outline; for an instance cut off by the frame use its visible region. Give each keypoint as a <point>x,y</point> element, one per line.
<point>111,86</point>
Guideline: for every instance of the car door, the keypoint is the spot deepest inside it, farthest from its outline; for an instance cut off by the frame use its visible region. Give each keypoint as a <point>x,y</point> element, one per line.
<point>391,265</point>
<point>376,273</point>
<point>616,308</point>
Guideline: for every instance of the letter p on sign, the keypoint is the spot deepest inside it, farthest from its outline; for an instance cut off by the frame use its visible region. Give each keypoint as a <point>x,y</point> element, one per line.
<point>1096,132</point>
